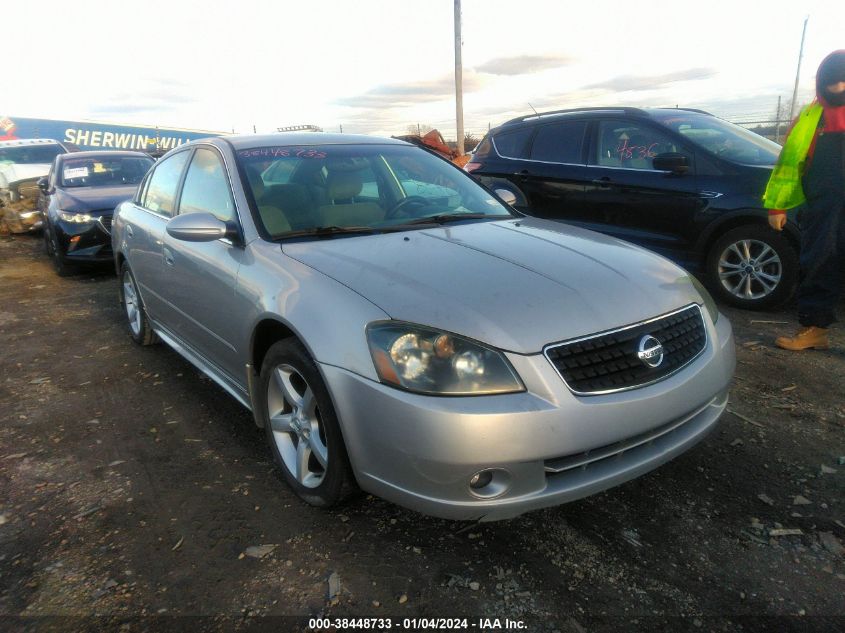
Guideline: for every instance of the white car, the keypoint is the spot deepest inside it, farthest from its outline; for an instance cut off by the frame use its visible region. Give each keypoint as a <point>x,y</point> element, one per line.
<point>22,163</point>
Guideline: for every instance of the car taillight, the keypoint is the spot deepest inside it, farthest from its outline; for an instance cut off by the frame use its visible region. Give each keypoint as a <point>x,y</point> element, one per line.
<point>471,167</point>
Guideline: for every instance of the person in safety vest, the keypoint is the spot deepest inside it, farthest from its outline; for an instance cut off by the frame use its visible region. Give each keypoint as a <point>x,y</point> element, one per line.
<point>811,172</point>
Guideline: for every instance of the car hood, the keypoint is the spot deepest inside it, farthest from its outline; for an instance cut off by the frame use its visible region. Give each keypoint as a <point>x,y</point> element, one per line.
<point>517,285</point>
<point>11,173</point>
<point>77,199</point>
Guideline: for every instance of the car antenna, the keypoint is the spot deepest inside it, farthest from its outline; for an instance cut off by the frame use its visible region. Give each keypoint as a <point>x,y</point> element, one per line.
<point>532,107</point>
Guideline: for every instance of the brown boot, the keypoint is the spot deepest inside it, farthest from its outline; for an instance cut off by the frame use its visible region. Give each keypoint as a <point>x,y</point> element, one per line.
<point>808,337</point>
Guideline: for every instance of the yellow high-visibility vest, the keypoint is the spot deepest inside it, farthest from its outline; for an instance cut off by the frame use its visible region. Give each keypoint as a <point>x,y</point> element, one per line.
<point>784,190</point>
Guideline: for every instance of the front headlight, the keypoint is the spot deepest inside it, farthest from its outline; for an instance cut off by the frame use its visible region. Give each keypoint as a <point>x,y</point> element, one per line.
<point>709,303</point>
<point>429,361</point>
<point>76,218</point>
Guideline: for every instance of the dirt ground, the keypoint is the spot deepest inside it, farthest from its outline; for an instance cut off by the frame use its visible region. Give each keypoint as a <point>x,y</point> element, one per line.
<point>132,490</point>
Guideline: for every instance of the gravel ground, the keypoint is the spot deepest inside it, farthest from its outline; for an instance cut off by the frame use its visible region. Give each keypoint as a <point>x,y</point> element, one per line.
<point>134,492</point>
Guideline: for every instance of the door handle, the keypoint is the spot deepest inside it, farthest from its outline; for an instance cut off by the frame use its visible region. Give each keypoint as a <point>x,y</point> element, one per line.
<point>602,182</point>
<point>522,175</point>
<point>129,230</point>
<point>168,257</point>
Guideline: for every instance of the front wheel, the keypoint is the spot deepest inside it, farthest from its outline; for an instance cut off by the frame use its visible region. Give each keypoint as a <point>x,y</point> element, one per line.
<point>301,425</point>
<point>752,267</point>
<point>54,252</point>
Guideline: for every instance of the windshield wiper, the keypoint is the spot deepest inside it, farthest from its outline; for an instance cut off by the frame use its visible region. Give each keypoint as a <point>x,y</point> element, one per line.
<point>328,231</point>
<point>443,218</point>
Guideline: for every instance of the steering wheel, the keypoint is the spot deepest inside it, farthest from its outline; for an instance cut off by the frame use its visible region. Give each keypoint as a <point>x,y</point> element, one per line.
<point>396,208</point>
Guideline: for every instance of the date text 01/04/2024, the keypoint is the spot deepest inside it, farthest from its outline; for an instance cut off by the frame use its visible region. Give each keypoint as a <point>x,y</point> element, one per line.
<point>416,624</point>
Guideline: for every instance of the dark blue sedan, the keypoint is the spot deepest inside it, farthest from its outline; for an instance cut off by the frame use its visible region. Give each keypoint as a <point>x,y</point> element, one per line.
<point>78,198</point>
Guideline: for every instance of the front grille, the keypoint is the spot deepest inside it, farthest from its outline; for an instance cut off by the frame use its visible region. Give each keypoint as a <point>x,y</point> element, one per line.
<point>608,362</point>
<point>105,222</point>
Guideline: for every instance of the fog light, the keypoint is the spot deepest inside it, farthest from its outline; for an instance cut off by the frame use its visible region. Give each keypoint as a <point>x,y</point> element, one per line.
<point>479,480</point>
<point>490,483</point>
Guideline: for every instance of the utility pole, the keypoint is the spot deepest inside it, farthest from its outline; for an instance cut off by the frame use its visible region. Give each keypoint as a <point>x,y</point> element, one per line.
<point>459,90</point>
<point>798,72</point>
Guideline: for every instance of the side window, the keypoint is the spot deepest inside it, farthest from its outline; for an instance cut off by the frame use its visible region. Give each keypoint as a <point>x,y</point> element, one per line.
<point>161,192</point>
<point>511,144</point>
<point>206,188</point>
<point>559,142</point>
<point>51,177</point>
<point>632,145</point>
<point>142,189</point>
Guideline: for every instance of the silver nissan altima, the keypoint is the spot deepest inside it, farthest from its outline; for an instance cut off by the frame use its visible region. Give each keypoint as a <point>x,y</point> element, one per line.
<point>395,327</point>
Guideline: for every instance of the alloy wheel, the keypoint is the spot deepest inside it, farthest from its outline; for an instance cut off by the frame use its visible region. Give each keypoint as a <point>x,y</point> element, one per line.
<point>130,304</point>
<point>750,269</point>
<point>297,428</point>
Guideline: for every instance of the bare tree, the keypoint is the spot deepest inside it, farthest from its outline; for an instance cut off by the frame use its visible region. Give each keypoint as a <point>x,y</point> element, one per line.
<point>470,141</point>
<point>419,128</point>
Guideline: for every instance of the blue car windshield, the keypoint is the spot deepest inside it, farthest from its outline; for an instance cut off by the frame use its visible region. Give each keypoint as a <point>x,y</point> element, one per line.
<point>104,171</point>
<point>721,138</point>
<point>299,188</point>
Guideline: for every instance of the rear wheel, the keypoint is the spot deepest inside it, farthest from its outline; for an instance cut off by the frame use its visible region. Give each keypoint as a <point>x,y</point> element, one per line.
<point>133,308</point>
<point>752,267</point>
<point>301,425</point>
<point>497,183</point>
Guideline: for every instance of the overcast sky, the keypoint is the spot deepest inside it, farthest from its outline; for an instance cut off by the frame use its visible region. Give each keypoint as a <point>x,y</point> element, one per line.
<point>378,66</point>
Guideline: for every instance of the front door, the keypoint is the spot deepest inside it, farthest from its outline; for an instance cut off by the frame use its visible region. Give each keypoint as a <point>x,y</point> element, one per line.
<point>628,198</point>
<point>201,276</point>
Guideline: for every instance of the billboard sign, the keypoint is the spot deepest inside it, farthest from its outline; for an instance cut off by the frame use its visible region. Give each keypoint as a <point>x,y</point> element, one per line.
<point>93,135</point>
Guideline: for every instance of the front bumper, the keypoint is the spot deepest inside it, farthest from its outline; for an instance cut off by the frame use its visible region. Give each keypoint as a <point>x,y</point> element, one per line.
<point>547,445</point>
<point>90,243</point>
<point>20,216</point>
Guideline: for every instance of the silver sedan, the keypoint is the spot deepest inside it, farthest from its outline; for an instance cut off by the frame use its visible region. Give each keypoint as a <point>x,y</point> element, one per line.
<point>395,327</point>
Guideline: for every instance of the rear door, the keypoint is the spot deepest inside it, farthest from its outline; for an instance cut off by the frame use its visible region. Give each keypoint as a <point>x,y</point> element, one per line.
<point>144,231</point>
<point>554,174</point>
<point>628,198</point>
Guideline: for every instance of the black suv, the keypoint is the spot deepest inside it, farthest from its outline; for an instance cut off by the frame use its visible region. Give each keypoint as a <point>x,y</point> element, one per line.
<point>680,182</point>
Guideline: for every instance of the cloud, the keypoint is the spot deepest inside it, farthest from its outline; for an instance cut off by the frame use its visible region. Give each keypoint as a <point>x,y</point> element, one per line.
<point>411,93</point>
<point>146,96</point>
<point>626,83</point>
<point>522,64</point>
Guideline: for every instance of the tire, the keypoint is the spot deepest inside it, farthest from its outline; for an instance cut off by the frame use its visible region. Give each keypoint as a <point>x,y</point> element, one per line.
<point>133,307</point>
<point>51,245</point>
<point>301,426</point>
<point>521,199</point>
<point>752,267</point>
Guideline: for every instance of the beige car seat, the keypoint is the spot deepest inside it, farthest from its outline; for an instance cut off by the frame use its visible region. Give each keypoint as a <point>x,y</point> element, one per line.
<point>342,209</point>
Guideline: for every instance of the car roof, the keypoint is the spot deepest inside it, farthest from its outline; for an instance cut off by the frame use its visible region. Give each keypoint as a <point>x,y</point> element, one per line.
<point>250,141</point>
<point>533,119</point>
<point>103,153</point>
<point>29,141</point>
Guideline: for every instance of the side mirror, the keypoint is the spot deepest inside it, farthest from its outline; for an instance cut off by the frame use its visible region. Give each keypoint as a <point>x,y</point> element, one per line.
<point>197,227</point>
<point>676,163</point>
<point>506,195</point>
<point>43,184</point>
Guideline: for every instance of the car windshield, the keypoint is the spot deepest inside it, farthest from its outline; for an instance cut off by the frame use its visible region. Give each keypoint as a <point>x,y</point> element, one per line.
<point>31,154</point>
<point>104,171</point>
<point>360,188</point>
<point>721,138</point>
